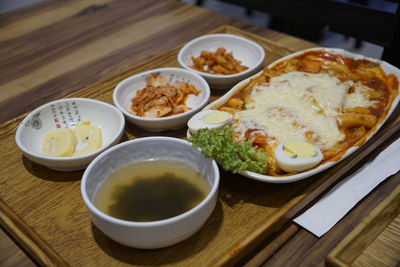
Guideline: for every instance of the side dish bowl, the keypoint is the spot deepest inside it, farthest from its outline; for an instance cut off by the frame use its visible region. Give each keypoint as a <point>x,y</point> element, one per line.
<point>386,67</point>
<point>248,52</point>
<point>126,90</point>
<point>66,113</point>
<point>153,234</point>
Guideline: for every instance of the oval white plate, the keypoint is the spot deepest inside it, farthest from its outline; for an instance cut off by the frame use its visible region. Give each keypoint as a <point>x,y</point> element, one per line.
<point>388,68</point>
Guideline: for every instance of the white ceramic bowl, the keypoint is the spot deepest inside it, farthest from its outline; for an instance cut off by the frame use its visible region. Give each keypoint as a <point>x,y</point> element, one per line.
<point>65,113</point>
<point>154,234</point>
<point>126,90</point>
<point>248,52</point>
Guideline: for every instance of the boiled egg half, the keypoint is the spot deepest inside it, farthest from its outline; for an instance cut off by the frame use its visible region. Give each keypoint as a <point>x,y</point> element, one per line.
<point>209,119</point>
<point>297,156</point>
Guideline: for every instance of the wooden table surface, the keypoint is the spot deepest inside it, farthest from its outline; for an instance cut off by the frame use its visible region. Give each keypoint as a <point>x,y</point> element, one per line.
<point>54,48</point>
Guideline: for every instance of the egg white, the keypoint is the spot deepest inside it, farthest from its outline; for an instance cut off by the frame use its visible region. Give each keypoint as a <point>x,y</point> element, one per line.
<point>298,164</point>
<point>196,122</point>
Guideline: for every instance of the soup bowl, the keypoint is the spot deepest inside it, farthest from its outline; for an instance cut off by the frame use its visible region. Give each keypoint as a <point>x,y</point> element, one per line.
<point>152,234</point>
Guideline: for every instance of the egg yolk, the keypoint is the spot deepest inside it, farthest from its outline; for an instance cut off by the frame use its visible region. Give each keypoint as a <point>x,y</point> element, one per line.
<point>216,117</point>
<point>296,149</point>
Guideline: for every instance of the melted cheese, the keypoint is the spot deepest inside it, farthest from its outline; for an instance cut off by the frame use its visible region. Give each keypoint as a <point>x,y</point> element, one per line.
<point>299,105</point>
<point>321,91</point>
<point>359,96</point>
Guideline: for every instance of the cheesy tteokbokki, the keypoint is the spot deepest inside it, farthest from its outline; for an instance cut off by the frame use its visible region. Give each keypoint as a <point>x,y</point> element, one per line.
<point>326,99</point>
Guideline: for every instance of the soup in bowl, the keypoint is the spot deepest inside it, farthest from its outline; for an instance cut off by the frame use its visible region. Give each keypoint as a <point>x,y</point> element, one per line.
<point>150,192</point>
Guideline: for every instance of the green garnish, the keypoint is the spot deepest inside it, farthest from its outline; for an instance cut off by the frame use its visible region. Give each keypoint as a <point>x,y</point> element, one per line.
<point>219,145</point>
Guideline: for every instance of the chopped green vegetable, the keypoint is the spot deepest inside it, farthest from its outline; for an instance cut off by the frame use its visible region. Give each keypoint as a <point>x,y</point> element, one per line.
<point>219,145</point>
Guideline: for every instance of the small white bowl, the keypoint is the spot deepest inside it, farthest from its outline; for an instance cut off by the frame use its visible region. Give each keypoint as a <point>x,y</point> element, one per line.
<point>155,234</point>
<point>126,90</point>
<point>248,52</point>
<point>66,113</point>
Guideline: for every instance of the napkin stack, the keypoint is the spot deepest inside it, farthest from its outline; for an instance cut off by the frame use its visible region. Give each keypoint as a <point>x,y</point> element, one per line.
<point>321,217</point>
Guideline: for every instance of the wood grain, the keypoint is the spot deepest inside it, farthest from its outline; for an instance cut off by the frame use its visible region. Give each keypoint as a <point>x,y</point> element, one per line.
<point>375,241</point>
<point>59,47</point>
<point>385,249</point>
<point>56,48</point>
<point>25,235</point>
<point>61,220</point>
<point>238,224</point>
<point>11,255</point>
<point>305,249</point>
<point>52,15</point>
<point>378,143</point>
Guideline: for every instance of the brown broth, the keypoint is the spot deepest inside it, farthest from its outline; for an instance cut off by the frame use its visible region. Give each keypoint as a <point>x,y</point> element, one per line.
<point>151,190</point>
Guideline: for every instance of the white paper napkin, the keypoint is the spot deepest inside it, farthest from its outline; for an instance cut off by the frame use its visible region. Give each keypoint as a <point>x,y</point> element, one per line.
<point>321,217</point>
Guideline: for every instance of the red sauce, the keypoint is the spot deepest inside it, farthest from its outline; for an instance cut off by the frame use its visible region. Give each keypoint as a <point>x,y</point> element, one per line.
<point>369,73</point>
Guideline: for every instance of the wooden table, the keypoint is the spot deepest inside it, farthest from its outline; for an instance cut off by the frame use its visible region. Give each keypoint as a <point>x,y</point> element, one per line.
<point>54,48</point>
